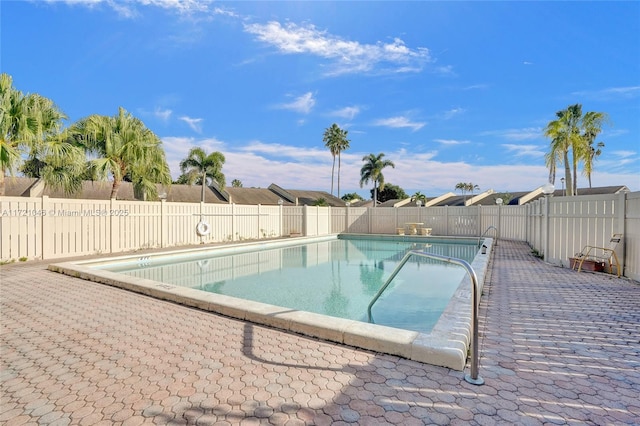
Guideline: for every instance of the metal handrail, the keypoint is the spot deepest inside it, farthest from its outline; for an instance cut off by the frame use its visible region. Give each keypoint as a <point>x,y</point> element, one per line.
<point>485,233</point>
<point>488,229</point>
<point>473,377</point>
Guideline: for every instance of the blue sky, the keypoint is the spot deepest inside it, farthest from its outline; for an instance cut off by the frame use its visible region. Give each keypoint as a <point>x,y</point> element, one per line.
<point>449,91</point>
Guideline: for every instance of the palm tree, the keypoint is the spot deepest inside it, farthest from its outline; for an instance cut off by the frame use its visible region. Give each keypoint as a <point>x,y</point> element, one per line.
<point>124,147</point>
<point>419,196</point>
<point>200,167</point>
<point>63,165</point>
<point>146,175</point>
<point>462,187</point>
<point>336,140</point>
<point>372,171</point>
<point>25,123</point>
<point>236,183</point>
<point>472,187</point>
<point>571,131</point>
<point>592,126</point>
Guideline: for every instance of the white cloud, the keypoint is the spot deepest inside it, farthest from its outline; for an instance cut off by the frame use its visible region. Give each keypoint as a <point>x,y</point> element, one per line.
<point>348,113</point>
<point>399,122</point>
<point>525,150</point>
<point>445,69</point>
<point>163,114</point>
<point>258,164</point>
<point>286,151</point>
<point>476,87</point>
<point>194,123</point>
<point>517,134</point>
<point>610,93</point>
<point>346,56</point>
<point>447,115</point>
<point>624,154</point>
<point>450,142</point>
<point>302,104</point>
<point>129,9</point>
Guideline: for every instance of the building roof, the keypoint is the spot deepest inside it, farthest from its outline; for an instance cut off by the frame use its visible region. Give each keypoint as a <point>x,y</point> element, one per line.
<point>26,187</point>
<point>29,187</point>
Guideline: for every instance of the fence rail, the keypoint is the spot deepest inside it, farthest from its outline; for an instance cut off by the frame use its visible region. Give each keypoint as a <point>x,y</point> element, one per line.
<point>556,227</point>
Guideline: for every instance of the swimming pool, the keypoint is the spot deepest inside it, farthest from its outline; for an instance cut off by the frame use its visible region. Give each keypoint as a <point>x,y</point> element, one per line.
<point>319,287</point>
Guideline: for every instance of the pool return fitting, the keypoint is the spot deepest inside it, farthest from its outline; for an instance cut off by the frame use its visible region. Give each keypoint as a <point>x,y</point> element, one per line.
<point>473,378</point>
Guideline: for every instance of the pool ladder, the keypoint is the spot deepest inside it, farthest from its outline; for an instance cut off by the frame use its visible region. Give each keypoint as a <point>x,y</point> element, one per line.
<point>473,378</point>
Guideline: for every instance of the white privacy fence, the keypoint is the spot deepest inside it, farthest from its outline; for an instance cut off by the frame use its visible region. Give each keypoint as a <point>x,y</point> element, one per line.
<point>557,227</point>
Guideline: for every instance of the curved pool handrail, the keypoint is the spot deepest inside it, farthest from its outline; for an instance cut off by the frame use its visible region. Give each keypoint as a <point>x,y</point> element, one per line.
<point>473,378</point>
<point>485,233</point>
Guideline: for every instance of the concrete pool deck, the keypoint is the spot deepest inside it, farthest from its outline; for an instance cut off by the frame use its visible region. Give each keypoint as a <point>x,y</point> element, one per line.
<point>556,347</point>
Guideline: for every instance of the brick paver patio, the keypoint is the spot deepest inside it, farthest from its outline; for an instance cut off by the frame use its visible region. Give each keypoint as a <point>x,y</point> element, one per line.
<point>557,347</point>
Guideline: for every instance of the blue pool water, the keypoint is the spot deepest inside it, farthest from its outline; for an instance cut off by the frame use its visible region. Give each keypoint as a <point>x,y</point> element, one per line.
<point>338,277</point>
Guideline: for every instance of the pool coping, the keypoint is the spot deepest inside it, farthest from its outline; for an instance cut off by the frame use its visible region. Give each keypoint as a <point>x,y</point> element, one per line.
<point>446,345</point>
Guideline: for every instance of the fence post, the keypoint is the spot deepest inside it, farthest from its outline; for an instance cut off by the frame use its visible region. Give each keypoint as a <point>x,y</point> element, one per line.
<point>111,230</point>
<point>305,220</point>
<point>233,221</point>
<point>621,208</point>
<point>163,222</point>
<point>259,228</point>
<point>46,241</point>
<point>446,220</point>
<point>346,220</point>
<point>546,228</point>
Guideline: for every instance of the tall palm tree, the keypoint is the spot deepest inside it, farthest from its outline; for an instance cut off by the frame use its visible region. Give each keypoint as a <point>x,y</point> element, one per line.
<point>336,140</point>
<point>574,132</point>
<point>124,147</point>
<point>592,126</point>
<point>372,171</point>
<point>565,136</point>
<point>200,167</point>
<point>462,187</point>
<point>471,187</point>
<point>26,121</point>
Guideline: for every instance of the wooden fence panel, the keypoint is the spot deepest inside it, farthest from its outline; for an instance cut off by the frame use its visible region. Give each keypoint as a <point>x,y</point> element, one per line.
<point>76,227</point>
<point>292,218</point>
<point>179,224</point>
<point>575,222</point>
<point>20,225</point>
<point>357,220</point>
<point>384,220</point>
<point>338,220</point>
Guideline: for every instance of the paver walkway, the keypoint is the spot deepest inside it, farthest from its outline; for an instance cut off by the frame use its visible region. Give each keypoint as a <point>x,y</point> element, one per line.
<point>557,347</point>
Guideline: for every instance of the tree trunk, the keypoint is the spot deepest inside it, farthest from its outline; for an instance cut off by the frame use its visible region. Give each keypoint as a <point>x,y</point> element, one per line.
<point>375,193</point>
<point>115,188</point>
<point>2,186</point>
<point>204,182</point>
<point>333,168</point>
<point>567,173</point>
<point>338,175</point>
<point>575,173</point>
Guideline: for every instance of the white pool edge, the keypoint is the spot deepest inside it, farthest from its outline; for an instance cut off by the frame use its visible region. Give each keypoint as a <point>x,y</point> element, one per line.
<point>446,345</point>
